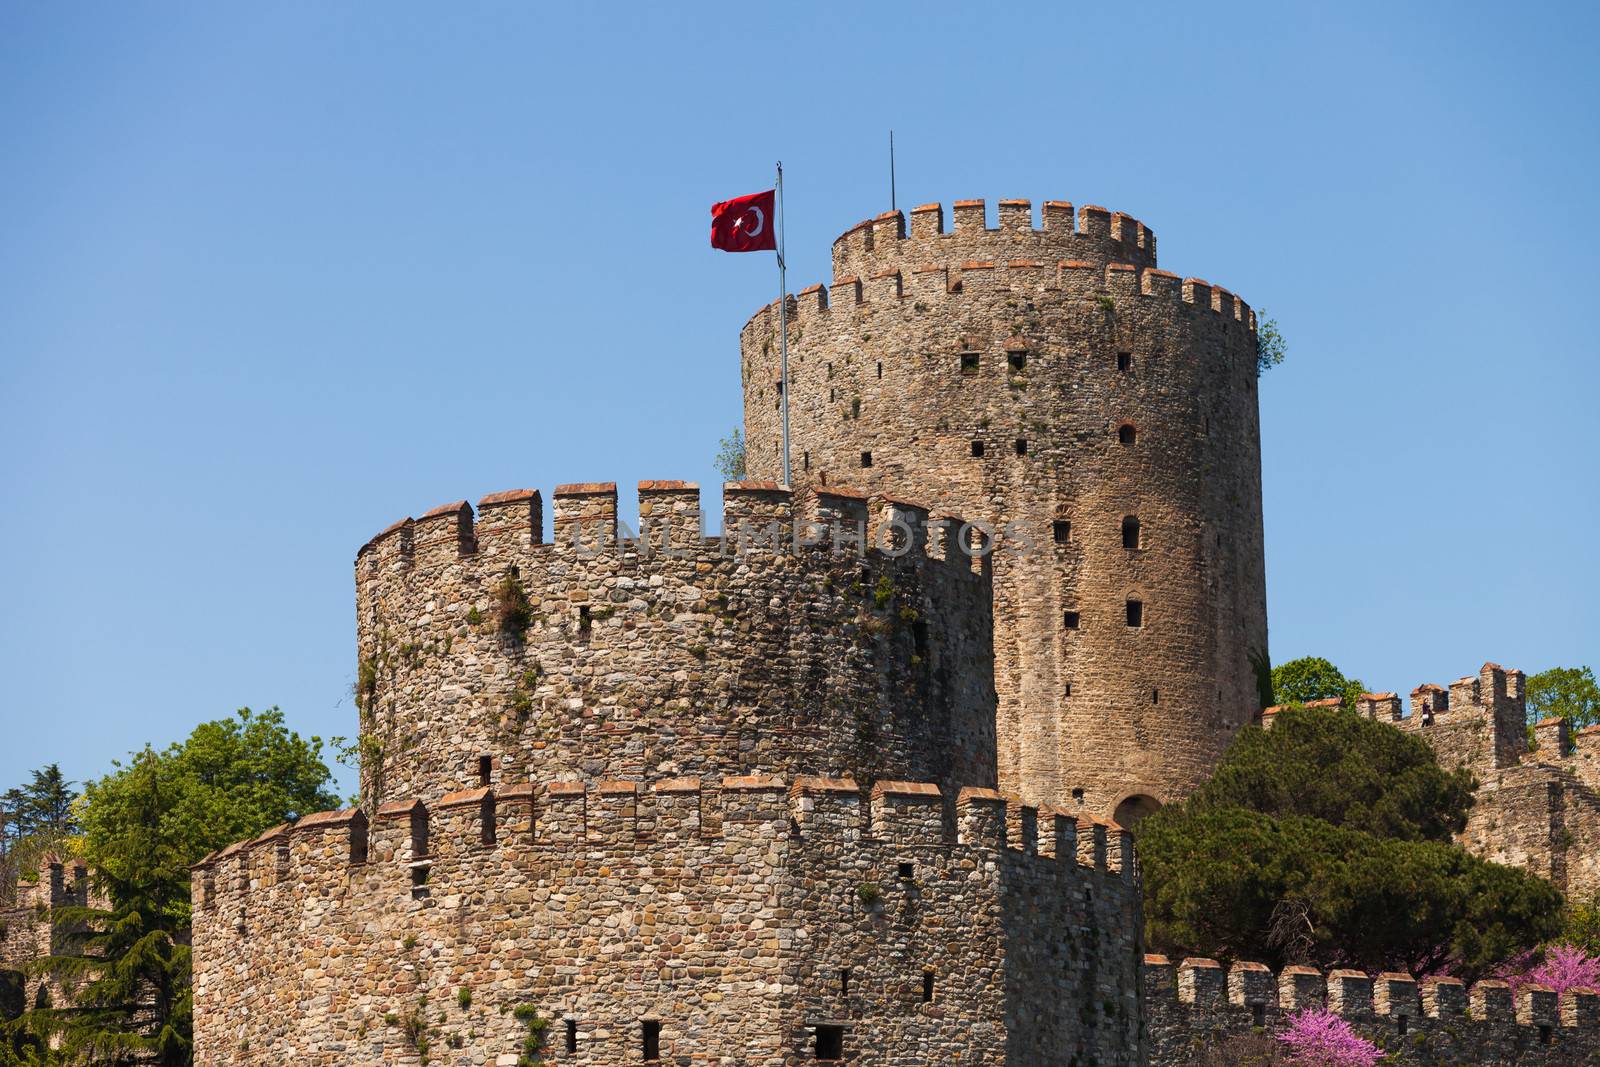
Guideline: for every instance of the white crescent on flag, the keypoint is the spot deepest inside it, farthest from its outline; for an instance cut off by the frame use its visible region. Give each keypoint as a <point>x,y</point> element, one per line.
<point>761,222</point>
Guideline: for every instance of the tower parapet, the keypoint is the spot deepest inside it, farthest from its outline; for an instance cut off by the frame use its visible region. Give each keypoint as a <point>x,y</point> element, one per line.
<point>805,639</point>
<point>1093,236</point>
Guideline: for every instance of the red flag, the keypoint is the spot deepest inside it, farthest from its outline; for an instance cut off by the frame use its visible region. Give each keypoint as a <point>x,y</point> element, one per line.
<point>744,224</point>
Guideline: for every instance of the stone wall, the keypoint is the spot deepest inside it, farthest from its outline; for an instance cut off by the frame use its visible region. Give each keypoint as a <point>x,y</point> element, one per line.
<point>1099,389</point>
<point>29,933</point>
<point>795,644</point>
<point>1435,1023</point>
<point>743,918</point>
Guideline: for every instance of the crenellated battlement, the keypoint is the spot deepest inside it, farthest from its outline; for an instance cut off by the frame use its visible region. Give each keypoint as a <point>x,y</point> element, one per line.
<point>1440,1019</point>
<point>933,290</point>
<point>757,517</point>
<point>1092,234</point>
<point>808,812</point>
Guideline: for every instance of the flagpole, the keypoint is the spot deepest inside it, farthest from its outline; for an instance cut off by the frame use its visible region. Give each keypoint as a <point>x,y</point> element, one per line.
<point>783,331</point>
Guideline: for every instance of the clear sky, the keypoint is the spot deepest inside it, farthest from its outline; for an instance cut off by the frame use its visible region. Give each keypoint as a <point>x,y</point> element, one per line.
<point>275,275</point>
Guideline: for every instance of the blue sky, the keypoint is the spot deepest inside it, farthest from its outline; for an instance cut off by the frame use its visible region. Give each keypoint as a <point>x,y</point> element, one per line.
<point>274,275</point>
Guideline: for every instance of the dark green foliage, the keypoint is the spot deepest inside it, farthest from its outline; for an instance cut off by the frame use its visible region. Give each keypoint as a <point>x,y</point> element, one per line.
<point>126,966</point>
<point>1336,766</point>
<point>43,807</point>
<point>1312,678</point>
<point>1570,692</point>
<point>1326,840</point>
<point>1261,664</point>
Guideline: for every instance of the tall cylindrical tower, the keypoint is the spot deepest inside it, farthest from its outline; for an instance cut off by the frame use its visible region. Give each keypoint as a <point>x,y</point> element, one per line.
<point>1101,415</point>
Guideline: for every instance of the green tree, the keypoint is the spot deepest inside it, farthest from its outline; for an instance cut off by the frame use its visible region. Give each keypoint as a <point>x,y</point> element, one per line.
<point>1569,692</point>
<point>1345,770</point>
<point>231,779</point>
<point>1313,678</point>
<point>730,456</point>
<point>125,967</point>
<point>1583,924</point>
<point>39,818</point>
<point>1270,348</point>
<point>46,804</point>
<point>1326,840</point>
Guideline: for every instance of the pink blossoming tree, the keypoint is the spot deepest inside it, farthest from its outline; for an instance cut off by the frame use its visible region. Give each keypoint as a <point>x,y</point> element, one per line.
<point>1317,1037</point>
<point>1562,967</point>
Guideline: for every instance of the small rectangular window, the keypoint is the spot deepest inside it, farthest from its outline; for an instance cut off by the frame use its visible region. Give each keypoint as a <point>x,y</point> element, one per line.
<point>1124,361</point>
<point>969,363</point>
<point>485,769</point>
<point>880,370</point>
<point>830,372</point>
<point>419,880</point>
<point>1062,529</point>
<point>805,461</point>
<point>977,450</point>
<point>778,385</point>
<point>906,871</point>
<point>1069,619</point>
<point>585,621</point>
<point>1021,445</point>
<point>830,1043</point>
<point>652,1040</point>
<point>1135,613</point>
<point>1017,360</point>
<point>927,987</point>
<point>844,982</point>
<point>572,1035</point>
<point>866,459</point>
<point>1068,690</point>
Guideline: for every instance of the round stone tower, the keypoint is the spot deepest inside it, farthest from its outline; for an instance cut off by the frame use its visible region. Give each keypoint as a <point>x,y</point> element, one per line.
<point>1100,417</point>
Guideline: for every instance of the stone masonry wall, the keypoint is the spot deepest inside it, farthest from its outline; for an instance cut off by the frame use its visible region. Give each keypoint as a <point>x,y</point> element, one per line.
<point>743,919</point>
<point>668,653</point>
<point>28,933</point>
<point>1435,1023</point>
<point>1099,389</point>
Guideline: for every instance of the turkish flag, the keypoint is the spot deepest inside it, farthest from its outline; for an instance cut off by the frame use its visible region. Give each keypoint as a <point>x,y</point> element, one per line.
<point>744,224</point>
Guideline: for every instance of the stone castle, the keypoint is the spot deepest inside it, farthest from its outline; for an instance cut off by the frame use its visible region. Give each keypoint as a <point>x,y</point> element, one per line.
<point>848,781</point>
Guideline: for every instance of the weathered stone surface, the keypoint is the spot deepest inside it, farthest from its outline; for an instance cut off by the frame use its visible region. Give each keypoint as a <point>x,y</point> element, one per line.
<point>1099,388</point>
<point>740,914</point>
<point>1439,1023</point>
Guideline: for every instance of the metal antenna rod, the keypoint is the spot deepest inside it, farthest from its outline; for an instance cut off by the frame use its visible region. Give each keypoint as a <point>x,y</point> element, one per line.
<point>892,205</point>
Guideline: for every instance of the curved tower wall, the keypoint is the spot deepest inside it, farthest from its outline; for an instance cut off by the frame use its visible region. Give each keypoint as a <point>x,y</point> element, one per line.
<point>665,653</point>
<point>1099,389</point>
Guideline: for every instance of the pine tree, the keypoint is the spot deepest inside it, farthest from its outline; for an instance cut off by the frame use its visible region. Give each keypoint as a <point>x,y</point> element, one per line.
<point>46,804</point>
<point>124,967</point>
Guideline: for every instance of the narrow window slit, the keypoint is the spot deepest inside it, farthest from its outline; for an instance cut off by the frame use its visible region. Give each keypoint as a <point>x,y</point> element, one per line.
<point>651,1033</point>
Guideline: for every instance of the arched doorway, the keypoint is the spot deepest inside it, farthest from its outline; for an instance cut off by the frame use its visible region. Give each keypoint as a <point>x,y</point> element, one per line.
<point>1134,808</point>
